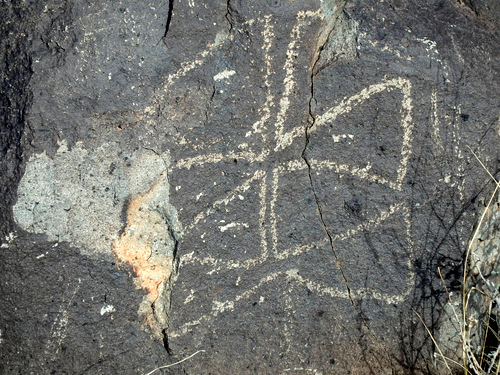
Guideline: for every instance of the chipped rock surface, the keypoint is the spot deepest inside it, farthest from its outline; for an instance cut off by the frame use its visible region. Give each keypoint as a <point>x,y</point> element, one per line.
<point>269,184</point>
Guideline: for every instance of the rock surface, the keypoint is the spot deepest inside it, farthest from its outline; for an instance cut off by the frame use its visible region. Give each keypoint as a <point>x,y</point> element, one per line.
<point>272,183</point>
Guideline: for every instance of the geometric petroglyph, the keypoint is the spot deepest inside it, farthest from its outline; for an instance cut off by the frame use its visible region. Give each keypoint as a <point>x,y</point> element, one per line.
<point>213,235</point>
<point>211,238</point>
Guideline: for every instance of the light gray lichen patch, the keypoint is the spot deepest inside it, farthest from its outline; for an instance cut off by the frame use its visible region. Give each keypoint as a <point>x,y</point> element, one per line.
<point>79,195</point>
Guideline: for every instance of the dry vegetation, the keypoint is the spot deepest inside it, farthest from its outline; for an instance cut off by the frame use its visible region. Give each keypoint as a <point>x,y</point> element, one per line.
<point>476,312</point>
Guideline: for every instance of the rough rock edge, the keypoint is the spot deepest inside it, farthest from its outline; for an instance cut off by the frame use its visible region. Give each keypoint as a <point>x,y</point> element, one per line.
<point>341,41</point>
<point>145,248</point>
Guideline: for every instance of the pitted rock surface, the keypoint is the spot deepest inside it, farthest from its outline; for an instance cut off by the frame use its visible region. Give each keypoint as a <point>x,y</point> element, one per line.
<point>271,185</point>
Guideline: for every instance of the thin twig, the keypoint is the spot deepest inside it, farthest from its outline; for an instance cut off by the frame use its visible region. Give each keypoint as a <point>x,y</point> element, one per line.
<point>469,248</point>
<point>484,167</point>
<point>454,362</point>
<point>493,360</point>
<point>466,296</point>
<point>486,332</point>
<point>494,292</point>
<point>176,363</point>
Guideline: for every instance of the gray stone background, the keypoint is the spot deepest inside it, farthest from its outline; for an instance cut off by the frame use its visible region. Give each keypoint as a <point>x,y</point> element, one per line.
<point>274,183</point>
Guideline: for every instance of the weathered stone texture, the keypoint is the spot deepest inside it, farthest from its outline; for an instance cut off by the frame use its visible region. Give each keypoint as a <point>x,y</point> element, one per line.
<point>273,183</point>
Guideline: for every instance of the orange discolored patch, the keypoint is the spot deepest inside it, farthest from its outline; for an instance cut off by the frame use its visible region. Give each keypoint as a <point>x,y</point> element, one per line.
<point>146,244</point>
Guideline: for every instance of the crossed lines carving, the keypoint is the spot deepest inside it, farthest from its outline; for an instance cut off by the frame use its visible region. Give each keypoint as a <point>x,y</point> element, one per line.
<point>274,131</point>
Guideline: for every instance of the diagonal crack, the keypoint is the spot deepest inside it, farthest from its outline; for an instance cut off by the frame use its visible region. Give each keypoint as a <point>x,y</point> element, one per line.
<point>173,276</point>
<point>313,189</point>
<point>309,126</point>
<point>228,15</point>
<point>169,16</point>
<point>311,122</point>
<point>209,106</point>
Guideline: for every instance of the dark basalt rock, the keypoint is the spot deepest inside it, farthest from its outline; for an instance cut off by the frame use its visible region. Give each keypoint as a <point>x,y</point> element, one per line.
<point>271,185</point>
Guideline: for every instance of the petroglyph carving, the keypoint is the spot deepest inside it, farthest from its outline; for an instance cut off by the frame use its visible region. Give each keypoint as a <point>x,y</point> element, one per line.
<point>265,187</point>
<point>151,234</point>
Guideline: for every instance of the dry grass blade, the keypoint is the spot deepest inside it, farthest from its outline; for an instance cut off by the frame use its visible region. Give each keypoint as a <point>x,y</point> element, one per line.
<point>176,363</point>
<point>484,167</point>
<point>486,336</point>
<point>493,360</point>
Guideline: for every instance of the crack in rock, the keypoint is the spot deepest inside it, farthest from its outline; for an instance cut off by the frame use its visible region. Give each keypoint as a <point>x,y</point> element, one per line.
<point>169,17</point>
<point>336,9</point>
